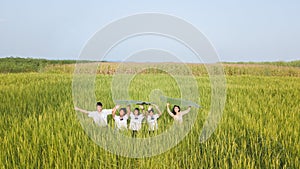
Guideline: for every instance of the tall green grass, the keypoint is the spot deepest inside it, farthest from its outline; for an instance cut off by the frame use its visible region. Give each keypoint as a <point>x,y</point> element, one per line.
<point>259,128</point>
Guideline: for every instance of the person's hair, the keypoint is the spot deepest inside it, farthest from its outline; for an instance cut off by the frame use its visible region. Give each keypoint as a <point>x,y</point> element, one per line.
<point>151,110</point>
<point>99,104</point>
<point>124,109</point>
<point>173,111</point>
<point>137,110</point>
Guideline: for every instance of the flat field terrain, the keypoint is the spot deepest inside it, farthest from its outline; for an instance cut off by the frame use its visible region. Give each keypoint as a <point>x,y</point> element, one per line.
<point>259,128</point>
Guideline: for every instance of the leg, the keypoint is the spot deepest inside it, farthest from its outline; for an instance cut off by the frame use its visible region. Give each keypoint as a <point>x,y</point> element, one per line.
<point>134,132</point>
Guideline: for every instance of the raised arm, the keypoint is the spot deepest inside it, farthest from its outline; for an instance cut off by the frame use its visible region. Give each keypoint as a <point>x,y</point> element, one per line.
<point>157,108</point>
<point>128,110</point>
<point>168,110</point>
<point>114,110</point>
<point>186,111</point>
<point>81,110</point>
<point>143,110</point>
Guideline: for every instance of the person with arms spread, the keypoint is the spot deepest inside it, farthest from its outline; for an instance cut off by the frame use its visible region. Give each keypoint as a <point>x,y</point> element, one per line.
<point>100,115</point>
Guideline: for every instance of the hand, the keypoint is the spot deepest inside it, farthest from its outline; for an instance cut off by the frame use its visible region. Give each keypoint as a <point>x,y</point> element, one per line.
<point>117,106</point>
<point>128,107</point>
<point>141,107</point>
<point>168,104</point>
<point>76,108</point>
<point>149,108</point>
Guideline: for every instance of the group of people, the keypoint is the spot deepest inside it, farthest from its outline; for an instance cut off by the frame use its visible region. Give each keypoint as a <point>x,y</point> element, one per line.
<point>136,117</point>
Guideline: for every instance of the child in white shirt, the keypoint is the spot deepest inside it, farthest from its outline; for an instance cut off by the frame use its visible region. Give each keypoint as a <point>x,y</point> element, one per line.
<point>136,120</point>
<point>152,118</point>
<point>121,120</point>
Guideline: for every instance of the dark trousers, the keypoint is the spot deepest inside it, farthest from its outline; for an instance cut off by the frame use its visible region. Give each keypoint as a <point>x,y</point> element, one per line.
<point>134,132</point>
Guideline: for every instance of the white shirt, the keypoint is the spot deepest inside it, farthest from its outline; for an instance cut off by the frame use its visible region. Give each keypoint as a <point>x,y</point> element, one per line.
<point>121,123</point>
<point>178,117</point>
<point>136,122</point>
<point>152,122</point>
<point>100,118</point>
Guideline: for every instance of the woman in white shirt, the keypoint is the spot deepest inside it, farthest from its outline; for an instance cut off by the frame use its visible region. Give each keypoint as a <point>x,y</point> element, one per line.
<point>152,118</point>
<point>136,120</point>
<point>177,113</point>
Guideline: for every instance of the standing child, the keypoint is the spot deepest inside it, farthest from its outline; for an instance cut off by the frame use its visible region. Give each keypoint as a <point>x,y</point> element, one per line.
<point>121,120</point>
<point>152,118</point>
<point>136,120</point>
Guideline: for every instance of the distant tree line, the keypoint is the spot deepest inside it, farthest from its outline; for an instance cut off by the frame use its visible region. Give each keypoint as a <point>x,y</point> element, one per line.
<point>295,63</point>
<point>17,64</point>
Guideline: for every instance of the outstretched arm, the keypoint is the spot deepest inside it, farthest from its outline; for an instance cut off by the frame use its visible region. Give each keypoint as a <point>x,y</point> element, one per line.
<point>168,110</point>
<point>81,110</point>
<point>157,108</point>
<point>186,111</point>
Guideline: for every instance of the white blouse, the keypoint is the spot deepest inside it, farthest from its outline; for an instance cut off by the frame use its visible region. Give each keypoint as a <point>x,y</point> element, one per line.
<point>178,116</point>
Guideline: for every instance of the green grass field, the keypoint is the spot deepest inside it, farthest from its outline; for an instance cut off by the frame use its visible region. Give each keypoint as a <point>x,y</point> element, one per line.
<point>259,128</point>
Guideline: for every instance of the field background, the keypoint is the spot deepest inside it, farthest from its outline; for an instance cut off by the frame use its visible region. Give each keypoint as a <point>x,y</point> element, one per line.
<point>259,128</point>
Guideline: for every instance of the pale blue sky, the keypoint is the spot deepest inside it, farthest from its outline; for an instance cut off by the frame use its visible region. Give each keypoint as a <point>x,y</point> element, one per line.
<point>239,30</point>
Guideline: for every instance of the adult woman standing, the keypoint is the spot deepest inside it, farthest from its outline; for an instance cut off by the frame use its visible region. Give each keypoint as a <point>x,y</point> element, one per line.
<point>177,113</point>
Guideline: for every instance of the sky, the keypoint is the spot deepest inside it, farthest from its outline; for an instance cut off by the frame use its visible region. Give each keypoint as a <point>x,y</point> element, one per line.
<point>238,30</point>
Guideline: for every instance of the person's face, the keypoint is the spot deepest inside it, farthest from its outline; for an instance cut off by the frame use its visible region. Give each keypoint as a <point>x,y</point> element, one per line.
<point>99,108</point>
<point>136,112</point>
<point>176,109</point>
<point>122,113</point>
<point>151,113</point>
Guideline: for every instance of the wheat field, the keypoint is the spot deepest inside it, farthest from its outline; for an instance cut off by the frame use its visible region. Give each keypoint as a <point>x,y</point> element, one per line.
<point>259,128</point>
